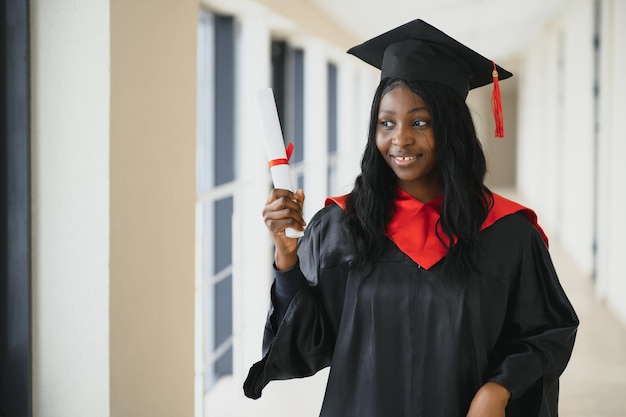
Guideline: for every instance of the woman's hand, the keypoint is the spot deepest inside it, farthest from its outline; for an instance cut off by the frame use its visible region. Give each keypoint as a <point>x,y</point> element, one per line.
<point>490,401</point>
<point>284,210</point>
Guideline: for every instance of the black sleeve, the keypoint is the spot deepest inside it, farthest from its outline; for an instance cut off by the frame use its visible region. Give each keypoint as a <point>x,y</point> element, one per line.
<point>538,335</point>
<point>299,338</point>
<point>286,286</point>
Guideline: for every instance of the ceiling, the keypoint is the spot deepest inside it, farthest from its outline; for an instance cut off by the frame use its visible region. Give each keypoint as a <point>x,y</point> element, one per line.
<point>498,29</point>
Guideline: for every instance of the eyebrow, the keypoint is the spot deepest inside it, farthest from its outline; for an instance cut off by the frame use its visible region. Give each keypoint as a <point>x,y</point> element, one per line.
<point>413,110</point>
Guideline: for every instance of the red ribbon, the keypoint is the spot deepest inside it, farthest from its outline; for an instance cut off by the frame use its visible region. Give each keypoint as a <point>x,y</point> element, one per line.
<point>283,161</point>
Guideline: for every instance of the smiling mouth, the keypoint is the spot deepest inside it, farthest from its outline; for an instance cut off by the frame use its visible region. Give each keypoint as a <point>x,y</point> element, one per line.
<point>403,160</point>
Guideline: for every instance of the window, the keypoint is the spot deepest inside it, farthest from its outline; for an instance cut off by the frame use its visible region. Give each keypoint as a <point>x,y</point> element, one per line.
<point>288,87</point>
<point>214,205</point>
<point>331,106</point>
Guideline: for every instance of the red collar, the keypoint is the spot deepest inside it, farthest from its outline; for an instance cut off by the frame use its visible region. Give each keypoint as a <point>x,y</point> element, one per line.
<point>412,227</point>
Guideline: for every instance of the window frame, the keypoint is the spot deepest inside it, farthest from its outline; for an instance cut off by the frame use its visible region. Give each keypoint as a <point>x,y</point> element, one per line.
<point>216,186</point>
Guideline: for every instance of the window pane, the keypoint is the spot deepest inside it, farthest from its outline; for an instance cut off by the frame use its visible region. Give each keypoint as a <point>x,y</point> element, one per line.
<point>279,77</point>
<point>206,99</point>
<point>223,233</point>
<point>298,97</point>
<point>224,365</point>
<point>223,311</point>
<point>332,108</point>
<point>288,86</point>
<point>224,95</point>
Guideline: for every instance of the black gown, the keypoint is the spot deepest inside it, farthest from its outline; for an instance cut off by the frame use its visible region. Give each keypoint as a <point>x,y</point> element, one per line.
<point>405,341</point>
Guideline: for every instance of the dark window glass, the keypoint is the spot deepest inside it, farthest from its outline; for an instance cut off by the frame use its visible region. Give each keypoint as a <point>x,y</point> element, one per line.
<point>223,233</point>
<point>332,108</point>
<point>298,105</point>
<point>279,75</point>
<point>224,99</point>
<point>224,365</point>
<point>223,310</point>
<point>288,87</point>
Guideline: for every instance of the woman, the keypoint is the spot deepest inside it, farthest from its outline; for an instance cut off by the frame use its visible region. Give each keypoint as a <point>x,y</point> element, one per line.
<point>427,294</point>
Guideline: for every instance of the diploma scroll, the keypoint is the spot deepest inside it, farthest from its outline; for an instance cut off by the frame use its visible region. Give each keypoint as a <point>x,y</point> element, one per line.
<point>275,146</point>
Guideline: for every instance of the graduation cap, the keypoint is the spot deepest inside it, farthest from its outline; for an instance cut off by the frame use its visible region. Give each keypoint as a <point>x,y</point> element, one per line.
<point>417,51</point>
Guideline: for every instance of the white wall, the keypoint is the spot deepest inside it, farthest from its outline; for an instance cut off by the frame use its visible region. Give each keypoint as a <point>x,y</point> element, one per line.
<point>555,154</point>
<point>70,159</point>
<point>577,147</point>
<point>611,282</point>
<point>500,153</point>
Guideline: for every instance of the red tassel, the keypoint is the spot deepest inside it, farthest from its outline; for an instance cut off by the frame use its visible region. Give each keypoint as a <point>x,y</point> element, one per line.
<point>496,104</point>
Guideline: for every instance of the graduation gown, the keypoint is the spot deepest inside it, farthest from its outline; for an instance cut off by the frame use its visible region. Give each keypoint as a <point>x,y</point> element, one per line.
<point>404,340</point>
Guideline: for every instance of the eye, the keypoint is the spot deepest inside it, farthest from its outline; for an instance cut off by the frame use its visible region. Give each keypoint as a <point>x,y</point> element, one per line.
<point>388,124</point>
<point>420,124</point>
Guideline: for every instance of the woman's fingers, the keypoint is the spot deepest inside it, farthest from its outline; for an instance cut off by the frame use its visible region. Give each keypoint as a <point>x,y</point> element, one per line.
<point>285,196</point>
<point>284,209</point>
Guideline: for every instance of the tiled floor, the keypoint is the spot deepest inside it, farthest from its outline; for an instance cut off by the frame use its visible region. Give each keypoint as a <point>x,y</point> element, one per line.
<point>594,384</point>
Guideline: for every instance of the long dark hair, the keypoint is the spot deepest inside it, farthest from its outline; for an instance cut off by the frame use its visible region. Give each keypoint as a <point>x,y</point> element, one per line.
<point>461,169</point>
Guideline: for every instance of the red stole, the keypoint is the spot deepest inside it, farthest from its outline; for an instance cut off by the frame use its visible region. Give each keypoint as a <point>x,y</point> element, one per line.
<point>412,227</point>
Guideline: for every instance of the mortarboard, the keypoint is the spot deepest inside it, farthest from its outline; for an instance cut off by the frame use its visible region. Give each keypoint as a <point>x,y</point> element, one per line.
<point>417,51</point>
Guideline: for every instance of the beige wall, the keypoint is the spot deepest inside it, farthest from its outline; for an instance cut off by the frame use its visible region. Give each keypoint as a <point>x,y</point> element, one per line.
<point>308,20</point>
<point>153,128</point>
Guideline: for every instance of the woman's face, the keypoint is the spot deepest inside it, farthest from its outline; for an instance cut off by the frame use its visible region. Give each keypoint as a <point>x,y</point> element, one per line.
<point>405,139</point>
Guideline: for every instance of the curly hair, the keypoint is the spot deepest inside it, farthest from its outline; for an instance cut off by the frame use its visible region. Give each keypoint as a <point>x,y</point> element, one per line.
<point>461,169</point>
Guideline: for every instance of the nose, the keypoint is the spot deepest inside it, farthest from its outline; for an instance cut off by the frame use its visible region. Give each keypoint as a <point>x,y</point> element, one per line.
<point>404,136</point>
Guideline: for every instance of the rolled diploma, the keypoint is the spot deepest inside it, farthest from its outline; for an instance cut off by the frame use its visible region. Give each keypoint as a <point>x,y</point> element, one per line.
<point>275,146</point>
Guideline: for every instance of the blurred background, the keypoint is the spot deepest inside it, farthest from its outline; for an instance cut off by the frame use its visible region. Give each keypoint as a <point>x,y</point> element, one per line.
<point>138,266</point>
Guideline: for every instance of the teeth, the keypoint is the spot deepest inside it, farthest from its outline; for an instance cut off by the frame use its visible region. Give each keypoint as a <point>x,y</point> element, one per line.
<point>404,158</point>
